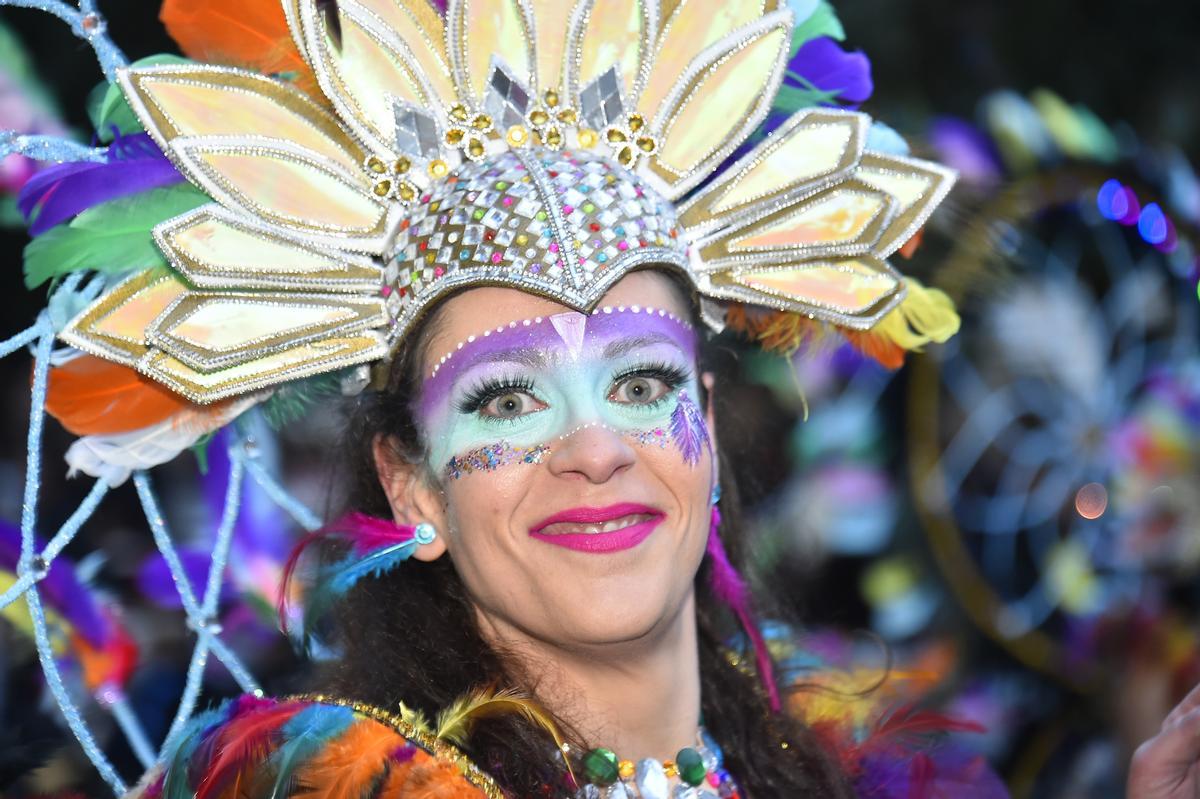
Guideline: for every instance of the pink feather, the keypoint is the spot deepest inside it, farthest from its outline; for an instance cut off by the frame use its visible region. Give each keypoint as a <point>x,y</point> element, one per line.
<point>731,589</point>
<point>364,533</point>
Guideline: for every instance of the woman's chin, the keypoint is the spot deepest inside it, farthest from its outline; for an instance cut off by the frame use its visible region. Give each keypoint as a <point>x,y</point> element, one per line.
<point>619,612</point>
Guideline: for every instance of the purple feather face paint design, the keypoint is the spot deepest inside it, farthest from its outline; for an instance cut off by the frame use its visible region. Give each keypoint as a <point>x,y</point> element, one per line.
<point>492,457</point>
<point>689,430</point>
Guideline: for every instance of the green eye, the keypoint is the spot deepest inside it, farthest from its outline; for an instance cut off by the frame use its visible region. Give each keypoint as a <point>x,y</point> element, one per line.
<point>639,390</point>
<point>511,405</point>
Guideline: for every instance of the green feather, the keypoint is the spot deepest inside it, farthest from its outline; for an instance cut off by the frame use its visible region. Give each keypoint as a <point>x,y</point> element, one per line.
<point>822,22</point>
<point>107,106</point>
<point>292,401</point>
<point>112,237</point>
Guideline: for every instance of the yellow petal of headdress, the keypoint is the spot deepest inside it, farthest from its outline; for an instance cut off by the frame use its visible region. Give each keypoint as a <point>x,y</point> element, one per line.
<point>526,143</point>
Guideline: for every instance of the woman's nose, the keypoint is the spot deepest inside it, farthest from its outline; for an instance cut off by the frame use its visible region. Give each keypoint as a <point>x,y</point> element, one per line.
<point>593,452</point>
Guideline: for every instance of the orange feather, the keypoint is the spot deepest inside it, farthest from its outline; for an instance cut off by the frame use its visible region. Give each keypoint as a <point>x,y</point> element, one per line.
<point>887,353</point>
<point>431,778</point>
<point>241,33</point>
<point>92,396</point>
<point>349,765</point>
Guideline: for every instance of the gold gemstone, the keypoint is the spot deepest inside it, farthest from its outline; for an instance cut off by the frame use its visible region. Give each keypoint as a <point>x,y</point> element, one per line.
<point>482,122</point>
<point>538,117</point>
<point>383,188</point>
<point>568,116</point>
<point>554,137</point>
<point>376,165</point>
<point>636,122</point>
<point>588,138</point>
<point>458,111</point>
<point>455,136</point>
<point>438,168</point>
<point>401,165</point>
<point>475,148</point>
<point>615,135</point>
<point>626,156</point>
<point>517,136</point>
<point>670,769</point>
<point>522,239</point>
<point>647,144</point>
<point>407,191</point>
<point>625,768</point>
<point>551,98</point>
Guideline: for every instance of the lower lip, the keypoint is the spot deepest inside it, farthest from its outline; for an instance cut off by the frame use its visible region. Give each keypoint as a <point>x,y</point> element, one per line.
<point>616,541</point>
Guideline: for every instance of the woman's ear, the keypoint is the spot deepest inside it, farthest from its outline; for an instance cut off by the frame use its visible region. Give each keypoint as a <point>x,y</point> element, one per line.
<point>410,496</point>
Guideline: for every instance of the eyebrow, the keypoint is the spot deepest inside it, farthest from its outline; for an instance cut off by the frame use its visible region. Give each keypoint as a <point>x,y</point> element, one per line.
<point>625,345</point>
<point>525,356</point>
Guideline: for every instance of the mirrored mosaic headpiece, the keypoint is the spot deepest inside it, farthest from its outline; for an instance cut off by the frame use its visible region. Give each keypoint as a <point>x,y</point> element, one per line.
<point>548,146</point>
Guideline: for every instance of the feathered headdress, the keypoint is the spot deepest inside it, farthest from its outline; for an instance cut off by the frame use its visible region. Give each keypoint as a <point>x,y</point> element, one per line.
<point>546,146</point>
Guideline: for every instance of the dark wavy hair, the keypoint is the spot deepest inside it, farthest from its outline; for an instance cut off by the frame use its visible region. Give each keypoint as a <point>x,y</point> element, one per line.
<point>412,636</point>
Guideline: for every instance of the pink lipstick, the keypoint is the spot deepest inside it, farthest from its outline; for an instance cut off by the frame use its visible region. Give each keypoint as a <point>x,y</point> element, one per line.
<point>608,529</point>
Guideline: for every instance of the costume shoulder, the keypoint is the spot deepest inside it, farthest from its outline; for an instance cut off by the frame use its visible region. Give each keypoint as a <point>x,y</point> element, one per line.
<point>312,747</point>
<point>872,720</point>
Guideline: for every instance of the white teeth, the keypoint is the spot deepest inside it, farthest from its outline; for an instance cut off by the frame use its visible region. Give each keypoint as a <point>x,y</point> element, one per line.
<point>612,526</point>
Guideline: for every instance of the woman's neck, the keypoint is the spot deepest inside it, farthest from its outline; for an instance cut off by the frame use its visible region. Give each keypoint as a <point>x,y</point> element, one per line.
<point>639,698</point>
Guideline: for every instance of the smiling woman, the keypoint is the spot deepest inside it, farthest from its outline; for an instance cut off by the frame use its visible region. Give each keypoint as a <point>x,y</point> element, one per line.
<point>509,229</point>
<point>568,557</point>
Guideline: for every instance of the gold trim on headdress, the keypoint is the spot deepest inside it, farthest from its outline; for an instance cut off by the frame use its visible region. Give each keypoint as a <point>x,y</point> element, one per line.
<point>523,143</point>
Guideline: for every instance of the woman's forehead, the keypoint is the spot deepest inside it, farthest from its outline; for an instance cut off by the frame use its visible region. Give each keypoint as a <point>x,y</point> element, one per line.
<point>484,308</point>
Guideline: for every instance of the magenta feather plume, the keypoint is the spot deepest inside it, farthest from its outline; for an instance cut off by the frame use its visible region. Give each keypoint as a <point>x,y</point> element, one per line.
<point>245,739</point>
<point>731,589</point>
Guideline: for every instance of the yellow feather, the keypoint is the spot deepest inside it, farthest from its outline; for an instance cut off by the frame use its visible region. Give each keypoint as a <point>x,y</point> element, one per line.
<point>455,721</point>
<point>923,316</point>
<point>415,718</point>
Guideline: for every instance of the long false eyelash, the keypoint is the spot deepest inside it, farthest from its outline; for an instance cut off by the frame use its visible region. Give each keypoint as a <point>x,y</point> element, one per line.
<point>674,376</point>
<point>490,389</point>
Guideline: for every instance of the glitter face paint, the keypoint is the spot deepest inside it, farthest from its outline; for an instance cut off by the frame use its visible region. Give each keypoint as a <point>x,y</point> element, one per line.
<point>492,457</point>
<point>567,371</point>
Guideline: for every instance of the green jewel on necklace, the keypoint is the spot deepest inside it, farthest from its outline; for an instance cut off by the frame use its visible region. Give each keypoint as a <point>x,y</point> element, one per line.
<point>696,771</point>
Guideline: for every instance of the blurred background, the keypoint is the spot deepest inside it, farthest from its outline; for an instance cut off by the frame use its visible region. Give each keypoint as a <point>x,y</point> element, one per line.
<point>1015,514</point>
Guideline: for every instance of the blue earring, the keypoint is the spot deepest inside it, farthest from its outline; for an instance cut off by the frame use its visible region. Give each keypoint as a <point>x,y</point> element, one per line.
<point>424,533</point>
<point>716,494</point>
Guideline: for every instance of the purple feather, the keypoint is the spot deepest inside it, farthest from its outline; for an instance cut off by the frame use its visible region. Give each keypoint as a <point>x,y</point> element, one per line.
<point>133,165</point>
<point>826,66</point>
<point>731,589</point>
<point>60,589</point>
<point>156,584</point>
<point>946,770</point>
<point>688,429</point>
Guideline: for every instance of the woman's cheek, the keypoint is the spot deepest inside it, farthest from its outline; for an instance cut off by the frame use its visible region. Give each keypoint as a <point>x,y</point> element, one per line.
<point>477,446</point>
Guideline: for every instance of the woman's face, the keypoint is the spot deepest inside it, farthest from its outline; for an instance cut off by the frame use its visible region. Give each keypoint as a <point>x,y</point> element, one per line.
<point>573,462</point>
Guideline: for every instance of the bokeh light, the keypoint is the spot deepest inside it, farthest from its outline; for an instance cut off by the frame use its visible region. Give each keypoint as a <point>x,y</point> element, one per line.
<point>1091,501</point>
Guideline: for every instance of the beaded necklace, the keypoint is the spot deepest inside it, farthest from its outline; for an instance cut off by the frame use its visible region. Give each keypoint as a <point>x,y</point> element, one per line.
<point>695,773</point>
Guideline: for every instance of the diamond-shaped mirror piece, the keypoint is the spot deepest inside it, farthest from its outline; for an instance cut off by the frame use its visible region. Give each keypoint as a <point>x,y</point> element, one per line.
<point>507,100</point>
<point>601,101</point>
<point>416,131</point>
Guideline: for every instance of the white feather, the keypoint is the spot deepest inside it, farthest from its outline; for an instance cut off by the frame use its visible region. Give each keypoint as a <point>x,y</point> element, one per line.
<point>113,458</point>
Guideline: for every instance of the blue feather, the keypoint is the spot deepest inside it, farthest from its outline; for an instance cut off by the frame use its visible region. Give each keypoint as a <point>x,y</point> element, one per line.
<point>178,764</point>
<point>305,735</point>
<point>334,581</point>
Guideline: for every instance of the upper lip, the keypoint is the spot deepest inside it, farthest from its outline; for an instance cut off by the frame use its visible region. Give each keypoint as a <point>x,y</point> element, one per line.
<point>585,515</point>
